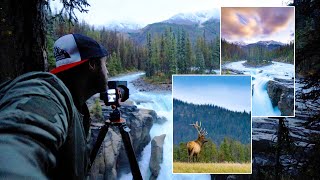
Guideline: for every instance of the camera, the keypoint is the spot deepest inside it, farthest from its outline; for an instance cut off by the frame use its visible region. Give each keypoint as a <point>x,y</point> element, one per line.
<point>117,92</point>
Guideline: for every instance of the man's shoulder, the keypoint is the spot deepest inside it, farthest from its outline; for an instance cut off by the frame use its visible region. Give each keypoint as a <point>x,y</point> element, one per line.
<point>35,85</point>
<point>32,80</point>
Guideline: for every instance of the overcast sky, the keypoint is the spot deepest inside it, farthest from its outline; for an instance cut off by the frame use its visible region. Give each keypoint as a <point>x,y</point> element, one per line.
<point>257,24</point>
<point>230,92</point>
<point>149,11</point>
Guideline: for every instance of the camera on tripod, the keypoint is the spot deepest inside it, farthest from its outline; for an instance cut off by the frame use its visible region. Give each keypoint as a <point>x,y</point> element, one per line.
<point>117,92</point>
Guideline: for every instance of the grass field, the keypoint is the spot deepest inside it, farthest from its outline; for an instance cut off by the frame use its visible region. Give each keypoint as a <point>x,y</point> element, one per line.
<point>183,167</point>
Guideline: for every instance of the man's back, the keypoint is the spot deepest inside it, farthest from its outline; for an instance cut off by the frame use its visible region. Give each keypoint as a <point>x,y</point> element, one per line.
<point>41,131</point>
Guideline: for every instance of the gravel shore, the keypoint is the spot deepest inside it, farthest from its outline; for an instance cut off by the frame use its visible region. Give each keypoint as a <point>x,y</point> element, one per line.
<point>142,85</point>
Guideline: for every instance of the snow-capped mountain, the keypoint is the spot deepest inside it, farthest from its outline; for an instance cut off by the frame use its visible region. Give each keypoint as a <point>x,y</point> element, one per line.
<point>268,44</point>
<point>123,26</point>
<point>194,18</point>
<point>271,42</point>
<point>239,43</point>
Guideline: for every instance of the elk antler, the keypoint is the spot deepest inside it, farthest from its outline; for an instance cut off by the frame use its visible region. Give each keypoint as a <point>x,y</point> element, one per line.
<point>199,129</point>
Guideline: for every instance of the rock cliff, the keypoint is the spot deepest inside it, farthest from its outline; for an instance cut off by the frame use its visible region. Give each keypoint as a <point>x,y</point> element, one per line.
<point>156,155</point>
<point>281,95</point>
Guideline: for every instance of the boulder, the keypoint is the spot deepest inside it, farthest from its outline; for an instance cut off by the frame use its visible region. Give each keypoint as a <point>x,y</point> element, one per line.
<point>281,95</point>
<point>274,89</point>
<point>156,155</point>
<point>112,158</point>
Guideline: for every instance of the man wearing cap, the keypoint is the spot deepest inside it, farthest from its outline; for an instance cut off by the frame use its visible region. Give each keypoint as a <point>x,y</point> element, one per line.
<point>44,121</point>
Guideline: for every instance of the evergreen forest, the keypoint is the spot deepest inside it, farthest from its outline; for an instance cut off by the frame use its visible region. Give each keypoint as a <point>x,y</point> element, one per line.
<point>256,54</point>
<point>218,122</point>
<point>170,51</point>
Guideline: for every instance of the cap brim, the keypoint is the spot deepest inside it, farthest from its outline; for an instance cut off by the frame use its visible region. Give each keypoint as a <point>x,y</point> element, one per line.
<point>67,66</point>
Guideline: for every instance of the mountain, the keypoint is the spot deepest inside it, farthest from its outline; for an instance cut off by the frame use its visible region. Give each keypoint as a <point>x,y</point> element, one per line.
<point>271,42</point>
<point>123,26</point>
<point>219,122</point>
<point>195,24</point>
<point>270,45</point>
<point>194,18</point>
<point>239,43</point>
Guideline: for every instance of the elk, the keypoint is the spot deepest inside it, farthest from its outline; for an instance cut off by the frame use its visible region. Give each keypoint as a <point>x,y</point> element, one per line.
<point>194,147</point>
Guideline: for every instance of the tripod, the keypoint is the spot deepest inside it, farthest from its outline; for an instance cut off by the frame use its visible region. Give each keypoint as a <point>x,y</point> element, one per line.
<point>115,120</point>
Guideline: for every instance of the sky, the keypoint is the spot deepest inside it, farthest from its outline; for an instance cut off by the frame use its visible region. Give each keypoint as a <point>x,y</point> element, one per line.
<point>253,24</point>
<point>144,12</point>
<point>230,92</point>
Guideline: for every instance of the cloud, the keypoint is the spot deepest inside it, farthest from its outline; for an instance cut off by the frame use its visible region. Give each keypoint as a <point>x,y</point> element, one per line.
<point>253,22</point>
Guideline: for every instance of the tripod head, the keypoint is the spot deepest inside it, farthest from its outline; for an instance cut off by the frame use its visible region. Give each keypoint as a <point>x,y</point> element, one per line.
<point>114,116</point>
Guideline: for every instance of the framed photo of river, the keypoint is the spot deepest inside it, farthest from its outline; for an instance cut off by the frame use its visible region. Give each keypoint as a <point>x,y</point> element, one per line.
<point>259,41</point>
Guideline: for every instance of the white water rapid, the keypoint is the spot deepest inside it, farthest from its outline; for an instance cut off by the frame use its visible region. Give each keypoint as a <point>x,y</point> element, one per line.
<point>161,103</point>
<point>261,103</point>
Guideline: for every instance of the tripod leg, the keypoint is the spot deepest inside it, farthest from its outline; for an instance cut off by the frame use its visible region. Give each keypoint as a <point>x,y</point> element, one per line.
<point>102,134</point>
<point>124,130</point>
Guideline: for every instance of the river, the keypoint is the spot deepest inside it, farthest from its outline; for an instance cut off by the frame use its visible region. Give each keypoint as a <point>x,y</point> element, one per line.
<point>261,103</point>
<point>161,103</point>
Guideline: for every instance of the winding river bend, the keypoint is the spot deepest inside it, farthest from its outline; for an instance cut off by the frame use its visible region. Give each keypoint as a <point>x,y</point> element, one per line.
<point>161,103</point>
<point>261,103</point>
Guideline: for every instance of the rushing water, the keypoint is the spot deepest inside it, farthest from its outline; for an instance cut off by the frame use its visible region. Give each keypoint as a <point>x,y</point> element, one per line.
<point>261,103</point>
<point>161,103</point>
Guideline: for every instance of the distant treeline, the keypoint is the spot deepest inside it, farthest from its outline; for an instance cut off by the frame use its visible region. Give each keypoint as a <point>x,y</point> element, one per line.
<point>219,122</point>
<point>229,151</point>
<point>256,54</point>
<point>125,54</point>
<point>163,55</point>
<point>171,53</point>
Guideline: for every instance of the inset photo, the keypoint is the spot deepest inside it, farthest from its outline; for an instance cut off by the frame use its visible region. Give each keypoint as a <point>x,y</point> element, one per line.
<point>212,124</point>
<point>259,41</point>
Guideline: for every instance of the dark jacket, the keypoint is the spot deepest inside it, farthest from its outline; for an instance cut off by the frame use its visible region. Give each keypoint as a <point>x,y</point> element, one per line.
<point>41,131</point>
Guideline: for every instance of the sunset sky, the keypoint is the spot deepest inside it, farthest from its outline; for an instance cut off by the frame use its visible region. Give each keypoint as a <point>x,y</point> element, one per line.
<point>252,24</point>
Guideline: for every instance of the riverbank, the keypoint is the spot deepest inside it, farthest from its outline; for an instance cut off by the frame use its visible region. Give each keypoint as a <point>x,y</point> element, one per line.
<point>142,85</point>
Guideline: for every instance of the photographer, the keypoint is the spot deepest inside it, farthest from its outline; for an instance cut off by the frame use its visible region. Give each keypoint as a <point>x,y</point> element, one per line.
<point>44,121</point>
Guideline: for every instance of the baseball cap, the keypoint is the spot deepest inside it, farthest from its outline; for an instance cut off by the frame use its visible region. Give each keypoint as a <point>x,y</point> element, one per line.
<point>74,49</point>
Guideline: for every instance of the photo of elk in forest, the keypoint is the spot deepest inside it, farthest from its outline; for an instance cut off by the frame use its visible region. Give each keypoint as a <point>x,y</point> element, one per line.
<point>211,124</point>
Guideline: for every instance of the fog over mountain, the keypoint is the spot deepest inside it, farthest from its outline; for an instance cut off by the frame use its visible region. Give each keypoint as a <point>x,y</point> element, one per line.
<point>192,18</point>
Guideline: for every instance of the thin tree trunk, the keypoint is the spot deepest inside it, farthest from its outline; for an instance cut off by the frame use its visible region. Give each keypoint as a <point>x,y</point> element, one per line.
<point>23,37</point>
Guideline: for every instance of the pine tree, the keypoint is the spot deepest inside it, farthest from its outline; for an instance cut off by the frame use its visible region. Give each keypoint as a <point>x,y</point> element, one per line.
<point>154,63</point>
<point>200,61</point>
<point>149,56</point>
<point>216,54</point>
<point>181,52</point>
<point>189,55</point>
<point>172,55</point>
